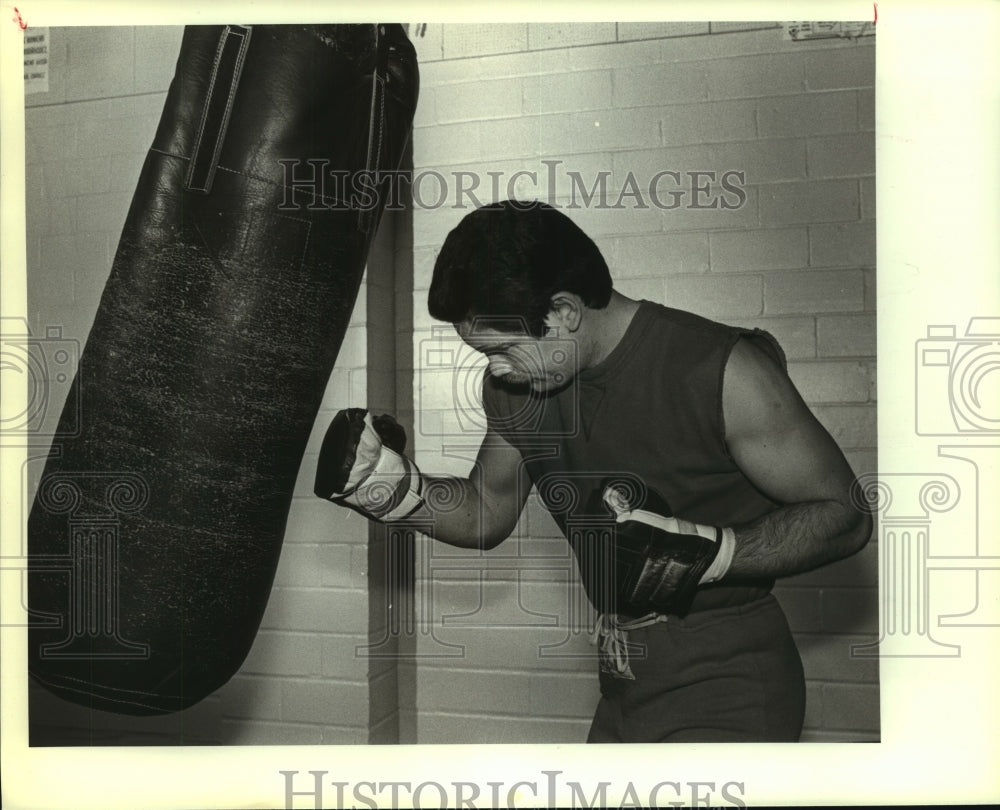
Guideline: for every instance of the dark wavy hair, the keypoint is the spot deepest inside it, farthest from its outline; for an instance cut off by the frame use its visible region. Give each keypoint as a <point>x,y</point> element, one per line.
<point>506,260</point>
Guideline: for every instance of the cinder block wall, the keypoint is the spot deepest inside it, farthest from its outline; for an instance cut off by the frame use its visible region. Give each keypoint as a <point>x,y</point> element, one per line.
<point>502,649</point>
<point>304,681</point>
<point>499,655</point>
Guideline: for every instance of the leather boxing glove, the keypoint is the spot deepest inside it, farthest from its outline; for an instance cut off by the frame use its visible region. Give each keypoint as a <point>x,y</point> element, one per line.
<point>661,560</point>
<point>362,466</point>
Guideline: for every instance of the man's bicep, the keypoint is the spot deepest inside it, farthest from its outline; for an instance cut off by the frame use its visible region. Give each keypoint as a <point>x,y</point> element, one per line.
<point>502,483</point>
<point>774,437</point>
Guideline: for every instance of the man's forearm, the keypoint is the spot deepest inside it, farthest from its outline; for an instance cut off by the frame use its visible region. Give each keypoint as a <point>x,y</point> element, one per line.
<point>797,538</point>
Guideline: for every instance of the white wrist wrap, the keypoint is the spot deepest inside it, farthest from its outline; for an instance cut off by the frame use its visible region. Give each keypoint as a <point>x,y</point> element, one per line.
<point>724,559</point>
<point>392,491</point>
<point>724,536</point>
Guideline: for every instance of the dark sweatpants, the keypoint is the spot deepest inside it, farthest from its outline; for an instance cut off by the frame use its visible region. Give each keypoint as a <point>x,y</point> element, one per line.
<point>727,675</point>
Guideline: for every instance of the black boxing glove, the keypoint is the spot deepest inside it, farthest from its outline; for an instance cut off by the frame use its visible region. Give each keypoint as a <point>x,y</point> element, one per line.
<point>362,466</point>
<point>660,560</point>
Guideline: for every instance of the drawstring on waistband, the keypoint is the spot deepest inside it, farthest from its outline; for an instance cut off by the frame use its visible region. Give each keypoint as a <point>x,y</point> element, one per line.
<point>612,643</point>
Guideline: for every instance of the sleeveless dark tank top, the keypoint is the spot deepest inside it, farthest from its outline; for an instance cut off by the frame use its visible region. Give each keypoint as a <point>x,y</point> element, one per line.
<point>650,417</point>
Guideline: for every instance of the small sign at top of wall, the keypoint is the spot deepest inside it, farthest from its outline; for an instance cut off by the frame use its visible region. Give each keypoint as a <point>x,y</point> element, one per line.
<point>800,31</point>
<point>36,60</point>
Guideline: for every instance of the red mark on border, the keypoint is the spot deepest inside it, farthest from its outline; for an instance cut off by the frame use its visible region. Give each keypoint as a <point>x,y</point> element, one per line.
<point>875,21</point>
<point>19,19</point>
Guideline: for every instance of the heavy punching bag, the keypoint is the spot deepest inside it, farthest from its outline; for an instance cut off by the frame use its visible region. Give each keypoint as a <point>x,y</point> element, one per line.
<point>156,528</point>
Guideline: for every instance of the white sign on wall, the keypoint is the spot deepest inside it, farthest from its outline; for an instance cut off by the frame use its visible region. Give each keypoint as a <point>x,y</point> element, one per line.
<point>36,60</point>
<point>826,30</point>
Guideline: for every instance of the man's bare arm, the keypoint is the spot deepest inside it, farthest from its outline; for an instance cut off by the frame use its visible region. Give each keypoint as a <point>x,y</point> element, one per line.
<point>482,510</point>
<point>790,457</point>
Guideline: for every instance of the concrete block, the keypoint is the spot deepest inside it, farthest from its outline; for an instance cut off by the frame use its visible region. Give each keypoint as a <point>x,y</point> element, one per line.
<point>781,249</point>
<point>809,202</point>
<point>102,135</point>
<point>847,244</point>
<point>497,66</point>
<point>851,706</point>
<point>659,255</point>
<point>524,649</point>
<point>567,92</point>
<point>316,610</point>
<point>156,48</point>
<point>469,729</point>
<point>256,697</point>
<point>443,145</point>
<point>101,62</point>
<point>757,162</point>
<point>867,186</point>
<point>814,291</point>
<point>841,155</point>
<point>705,206</point>
<point>659,30</point>
<point>480,100</point>
<point>102,212</point>
<point>567,35</point>
<point>44,145</point>
<point>657,85</point>
<point>427,39</point>
<point>260,733</point>
<point>339,703</point>
<point>710,122</point>
<point>850,66</point>
<point>274,653</point>
<point>866,109</point>
<point>846,335</point>
<point>343,657</point>
<point>807,114</point>
<point>470,40</point>
<point>757,75</point>
<point>716,296</point>
<point>564,695</point>
<point>299,565</point>
<point>597,130</point>
<point>456,690</point>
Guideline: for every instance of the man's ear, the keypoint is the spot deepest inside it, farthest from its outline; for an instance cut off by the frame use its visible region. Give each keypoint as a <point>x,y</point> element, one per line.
<point>566,311</point>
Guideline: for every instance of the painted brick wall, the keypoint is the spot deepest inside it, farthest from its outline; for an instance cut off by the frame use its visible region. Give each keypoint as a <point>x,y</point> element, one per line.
<point>303,681</point>
<point>502,652</point>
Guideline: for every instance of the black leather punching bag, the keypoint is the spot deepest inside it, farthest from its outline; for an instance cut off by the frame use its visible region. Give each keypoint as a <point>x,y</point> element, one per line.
<point>156,529</point>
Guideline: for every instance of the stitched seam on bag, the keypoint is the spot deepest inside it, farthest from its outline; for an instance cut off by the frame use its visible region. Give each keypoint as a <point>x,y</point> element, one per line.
<point>224,41</point>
